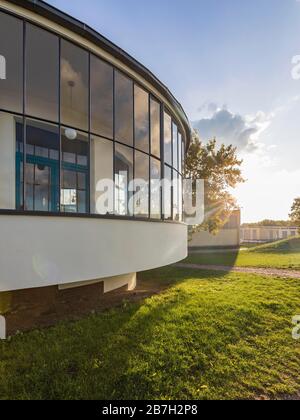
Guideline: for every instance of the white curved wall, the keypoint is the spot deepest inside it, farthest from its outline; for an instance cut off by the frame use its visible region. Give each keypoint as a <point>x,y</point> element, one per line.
<point>45,251</point>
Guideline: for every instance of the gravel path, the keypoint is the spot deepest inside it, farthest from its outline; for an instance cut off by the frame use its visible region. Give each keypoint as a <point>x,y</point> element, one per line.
<point>274,272</point>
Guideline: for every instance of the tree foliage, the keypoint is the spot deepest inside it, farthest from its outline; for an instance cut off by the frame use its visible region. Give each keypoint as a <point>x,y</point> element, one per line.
<point>295,212</point>
<point>220,168</point>
<point>270,222</point>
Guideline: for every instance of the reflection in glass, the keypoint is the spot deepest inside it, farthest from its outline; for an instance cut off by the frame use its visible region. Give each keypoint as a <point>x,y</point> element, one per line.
<point>75,174</point>
<point>175,145</point>
<point>182,156</point>
<point>102,157</point>
<point>123,109</point>
<point>123,176</point>
<point>155,189</point>
<point>42,73</point>
<point>141,176</point>
<point>155,127</point>
<point>179,152</point>
<point>101,98</point>
<point>42,167</point>
<point>141,119</point>
<point>175,196</point>
<point>168,138</point>
<point>11,151</point>
<point>74,85</point>
<point>167,193</point>
<point>11,50</point>
<point>180,198</point>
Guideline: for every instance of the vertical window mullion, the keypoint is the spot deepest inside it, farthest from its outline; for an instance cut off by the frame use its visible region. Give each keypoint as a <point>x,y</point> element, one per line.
<point>88,194</point>
<point>114,139</point>
<point>150,149</point>
<point>24,119</point>
<point>162,158</point>
<point>60,131</point>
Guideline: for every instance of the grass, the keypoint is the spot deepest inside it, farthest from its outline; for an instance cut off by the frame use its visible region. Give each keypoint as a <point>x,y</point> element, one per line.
<point>283,254</point>
<point>207,336</point>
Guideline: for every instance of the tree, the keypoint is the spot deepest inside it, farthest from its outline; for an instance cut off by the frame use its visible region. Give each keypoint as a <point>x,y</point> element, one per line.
<point>220,169</point>
<point>295,212</point>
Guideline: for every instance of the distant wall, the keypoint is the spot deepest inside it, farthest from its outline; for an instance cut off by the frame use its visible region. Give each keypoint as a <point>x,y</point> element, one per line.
<point>225,238</point>
<point>267,233</point>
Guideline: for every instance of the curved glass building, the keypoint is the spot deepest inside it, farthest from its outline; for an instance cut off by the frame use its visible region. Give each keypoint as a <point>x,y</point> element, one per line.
<point>76,113</point>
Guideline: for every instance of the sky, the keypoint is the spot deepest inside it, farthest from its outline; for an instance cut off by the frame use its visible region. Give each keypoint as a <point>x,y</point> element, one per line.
<point>229,63</point>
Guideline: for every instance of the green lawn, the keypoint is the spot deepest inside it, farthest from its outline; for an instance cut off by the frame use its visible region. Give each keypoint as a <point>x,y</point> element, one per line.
<point>207,336</point>
<point>283,254</point>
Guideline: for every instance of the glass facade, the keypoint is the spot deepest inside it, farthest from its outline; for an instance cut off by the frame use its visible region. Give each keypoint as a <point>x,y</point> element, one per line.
<point>42,74</point>
<point>69,120</point>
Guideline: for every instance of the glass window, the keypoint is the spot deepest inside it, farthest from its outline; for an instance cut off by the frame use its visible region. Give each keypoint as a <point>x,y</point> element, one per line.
<point>141,119</point>
<point>183,156</point>
<point>175,196</point>
<point>123,176</point>
<point>168,138</point>
<point>11,63</point>
<point>141,202</point>
<point>74,86</point>
<point>175,146</point>
<point>102,157</point>
<point>180,198</point>
<point>180,152</point>
<point>42,167</point>
<point>155,127</point>
<point>42,73</point>
<point>123,109</point>
<point>101,98</point>
<point>11,148</point>
<point>155,189</point>
<point>74,194</point>
<point>167,193</point>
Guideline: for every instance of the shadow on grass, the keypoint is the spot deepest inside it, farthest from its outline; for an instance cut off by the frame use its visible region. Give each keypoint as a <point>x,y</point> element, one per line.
<point>94,358</point>
<point>226,259</point>
<point>287,246</point>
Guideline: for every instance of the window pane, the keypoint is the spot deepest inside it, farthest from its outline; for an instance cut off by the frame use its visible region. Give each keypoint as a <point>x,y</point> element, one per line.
<point>42,73</point>
<point>102,157</point>
<point>155,127</point>
<point>175,146</point>
<point>11,63</point>
<point>168,138</point>
<point>183,156</point>
<point>11,155</point>
<point>74,86</point>
<point>175,196</point>
<point>101,98</point>
<point>167,193</point>
<point>74,194</point>
<point>141,118</point>
<point>123,176</point>
<point>41,170</point>
<point>180,152</point>
<point>180,198</point>
<point>124,109</point>
<point>155,189</point>
<point>141,203</point>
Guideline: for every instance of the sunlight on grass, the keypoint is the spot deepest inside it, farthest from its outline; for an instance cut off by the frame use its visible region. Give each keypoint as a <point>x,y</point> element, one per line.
<point>283,254</point>
<point>208,336</point>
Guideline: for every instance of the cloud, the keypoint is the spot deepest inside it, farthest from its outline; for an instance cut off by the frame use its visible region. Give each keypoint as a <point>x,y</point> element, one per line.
<point>230,128</point>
